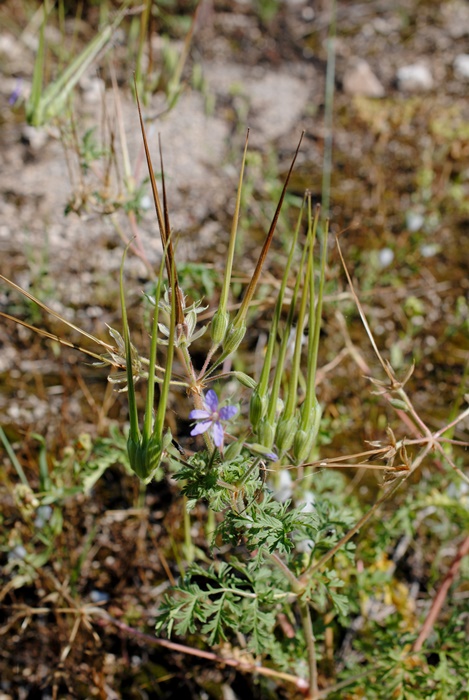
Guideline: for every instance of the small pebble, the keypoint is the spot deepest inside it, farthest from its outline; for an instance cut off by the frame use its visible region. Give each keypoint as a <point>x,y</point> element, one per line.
<point>461,66</point>
<point>385,257</point>
<point>414,221</point>
<point>414,78</point>
<point>43,515</point>
<point>99,596</point>
<point>93,90</point>
<point>18,552</point>
<point>428,250</point>
<point>34,136</point>
<point>359,79</point>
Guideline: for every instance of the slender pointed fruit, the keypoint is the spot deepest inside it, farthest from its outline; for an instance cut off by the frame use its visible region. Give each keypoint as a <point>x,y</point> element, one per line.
<point>241,315</point>
<point>163,219</point>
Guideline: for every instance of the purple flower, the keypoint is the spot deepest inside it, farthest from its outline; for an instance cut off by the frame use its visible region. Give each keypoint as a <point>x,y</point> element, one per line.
<point>211,417</point>
<point>16,94</point>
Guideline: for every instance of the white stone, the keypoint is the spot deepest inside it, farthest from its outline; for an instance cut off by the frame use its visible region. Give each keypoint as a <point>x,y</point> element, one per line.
<point>93,90</point>
<point>35,136</point>
<point>359,79</point>
<point>385,257</point>
<point>415,78</point>
<point>428,250</point>
<point>461,66</point>
<point>414,221</point>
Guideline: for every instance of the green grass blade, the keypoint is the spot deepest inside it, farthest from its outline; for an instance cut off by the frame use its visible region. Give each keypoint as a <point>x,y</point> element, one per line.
<point>13,458</point>
<point>40,108</point>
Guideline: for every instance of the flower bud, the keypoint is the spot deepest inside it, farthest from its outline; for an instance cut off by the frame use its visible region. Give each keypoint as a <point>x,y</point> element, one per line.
<point>233,338</point>
<point>245,379</point>
<point>219,325</point>
<point>262,450</point>
<point>399,404</point>
<point>232,451</point>
<point>257,407</point>
<point>266,433</point>
<point>286,429</point>
<point>306,436</point>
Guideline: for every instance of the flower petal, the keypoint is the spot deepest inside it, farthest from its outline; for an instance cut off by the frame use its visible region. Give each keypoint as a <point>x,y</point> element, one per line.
<point>201,427</point>
<point>217,432</point>
<point>198,414</point>
<point>211,400</point>
<point>227,412</point>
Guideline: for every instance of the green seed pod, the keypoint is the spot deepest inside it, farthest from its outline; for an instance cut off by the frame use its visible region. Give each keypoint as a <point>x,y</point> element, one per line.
<point>302,445</point>
<point>262,450</point>
<point>233,338</point>
<point>286,429</point>
<point>257,407</point>
<point>305,438</point>
<point>245,379</point>
<point>398,403</point>
<point>266,433</point>
<point>219,325</point>
<point>232,451</point>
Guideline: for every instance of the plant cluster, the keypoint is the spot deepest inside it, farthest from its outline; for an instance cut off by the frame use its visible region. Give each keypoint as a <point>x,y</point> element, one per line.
<point>285,581</point>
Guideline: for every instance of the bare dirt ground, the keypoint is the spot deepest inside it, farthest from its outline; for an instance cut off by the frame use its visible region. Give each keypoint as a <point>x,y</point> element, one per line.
<point>400,185</point>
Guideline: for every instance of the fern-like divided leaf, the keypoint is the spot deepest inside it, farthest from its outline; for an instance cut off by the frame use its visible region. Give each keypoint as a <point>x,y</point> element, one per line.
<point>224,600</point>
<point>270,524</point>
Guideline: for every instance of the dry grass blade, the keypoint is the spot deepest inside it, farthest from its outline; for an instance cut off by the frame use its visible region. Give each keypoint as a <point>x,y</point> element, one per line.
<point>385,365</point>
<point>67,343</point>
<point>47,309</point>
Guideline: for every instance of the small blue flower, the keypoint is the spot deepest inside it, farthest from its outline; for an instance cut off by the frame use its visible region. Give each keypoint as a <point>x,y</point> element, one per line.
<point>16,94</point>
<point>211,417</point>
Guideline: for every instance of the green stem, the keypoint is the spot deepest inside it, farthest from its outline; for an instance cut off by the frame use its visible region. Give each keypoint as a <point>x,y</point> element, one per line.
<point>234,228</point>
<point>307,625</point>
<point>278,376</point>
<point>241,315</point>
<point>296,360</point>
<point>297,586</point>
<point>148,422</point>
<point>298,589</point>
<point>246,476</point>
<point>264,378</point>
<point>188,544</point>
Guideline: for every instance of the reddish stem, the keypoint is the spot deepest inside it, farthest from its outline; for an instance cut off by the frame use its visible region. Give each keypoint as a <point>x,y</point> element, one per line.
<point>441,595</point>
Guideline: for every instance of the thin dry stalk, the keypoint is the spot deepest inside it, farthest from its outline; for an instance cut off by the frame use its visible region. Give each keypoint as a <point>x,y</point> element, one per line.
<point>441,595</point>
